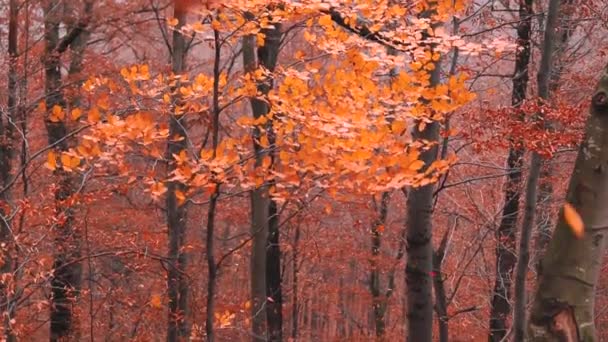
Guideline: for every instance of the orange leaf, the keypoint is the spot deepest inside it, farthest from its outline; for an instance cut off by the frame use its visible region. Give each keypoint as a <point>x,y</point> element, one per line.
<point>51,163</point>
<point>76,114</point>
<point>574,220</point>
<point>57,114</point>
<point>155,301</point>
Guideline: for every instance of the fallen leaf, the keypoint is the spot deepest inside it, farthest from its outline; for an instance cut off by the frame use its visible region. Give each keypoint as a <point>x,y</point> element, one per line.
<point>574,220</point>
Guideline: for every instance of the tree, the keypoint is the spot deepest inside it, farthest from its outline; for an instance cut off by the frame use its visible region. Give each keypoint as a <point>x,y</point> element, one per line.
<point>531,196</point>
<point>563,306</point>
<point>176,210</point>
<point>506,233</point>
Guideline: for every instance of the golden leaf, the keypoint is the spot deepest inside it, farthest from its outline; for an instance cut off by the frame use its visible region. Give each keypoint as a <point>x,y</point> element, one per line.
<point>51,163</point>
<point>94,115</point>
<point>57,114</point>
<point>76,114</point>
<point>574,220</point>
<point>156,301</point>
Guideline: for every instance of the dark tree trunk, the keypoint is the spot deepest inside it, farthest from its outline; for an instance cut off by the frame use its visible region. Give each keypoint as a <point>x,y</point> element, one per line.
<point>176,213</point>
<point>267,57</point>
<point>543,80</point>
<point>419,264</point>
<point>295,305</point>
<point>545,188</point>
<point>66,279</point>
<point>6,156</point>
<point>212,266</point>
<point>378,300</point>
<point>266,252</point>
<point>505,235</point>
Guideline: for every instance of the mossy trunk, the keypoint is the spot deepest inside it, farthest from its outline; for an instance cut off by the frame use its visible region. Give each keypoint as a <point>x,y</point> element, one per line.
<point>563,303</point>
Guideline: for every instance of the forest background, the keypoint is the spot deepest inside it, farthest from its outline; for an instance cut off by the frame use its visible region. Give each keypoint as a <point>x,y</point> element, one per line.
<point>295,170</point>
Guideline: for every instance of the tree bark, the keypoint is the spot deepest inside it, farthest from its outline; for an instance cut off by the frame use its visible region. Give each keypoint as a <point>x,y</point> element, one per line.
<point>545,189</point>
<point>564,300</point>
<point>67,271</point>
<point>419,225</point>
<point>176,213</point>
<point>378,300</point>
<point>543,78</point>
<point>266,252</point>
<point>505,235</point>
<point>6,158</point>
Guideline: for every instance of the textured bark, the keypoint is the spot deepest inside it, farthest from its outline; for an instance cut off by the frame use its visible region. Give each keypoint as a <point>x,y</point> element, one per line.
<point>441,302</point>
<point>564,301</point>
<point>295,305</point>
<point>378,300</point>
<point>505,235</point>
<point>543,80</point>
<point>212,266</point>
<point>267,57</point>
<point>545,189</point>
<point>67,272</point>
<point>265,219</point>
<point>259,215</point>
<point>419,264</point>
<point>6,157</point>
<point>176,213</point>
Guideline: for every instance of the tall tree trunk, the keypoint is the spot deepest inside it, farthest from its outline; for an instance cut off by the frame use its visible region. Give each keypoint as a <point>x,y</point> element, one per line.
<point>543,78</point>
<point>505,235</point>
<point>267,57</point>
<point>419,224</point>
<point>176,213</point>
<point>545,188</point>
<point>564,300</point>
<point>259,218</point>
<point>66,279</point>
<point>6,156</point>
<point>378,300</point>
<point>212,266</point>
<point>266,253</point>
<point>295,305</point>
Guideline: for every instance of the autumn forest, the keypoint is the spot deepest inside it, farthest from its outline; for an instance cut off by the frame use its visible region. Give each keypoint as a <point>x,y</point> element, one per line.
<point>315,170</point>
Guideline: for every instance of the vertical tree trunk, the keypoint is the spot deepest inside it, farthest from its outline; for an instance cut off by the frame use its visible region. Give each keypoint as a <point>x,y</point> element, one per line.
<point>543,78</point>
<point>545,188</point>
<point>259,218</point>
<point>212,266</point>
<point>419,245</point>
<point>266,254</point>
<point>66,277</point>
<point>295,305</point>
<point>267,57</point>
<point>441,301</point>
<point>564,300</point>
<point>176,213</point>
<point>6,156</point>
<point>505,235</point>
<point>378,300</point>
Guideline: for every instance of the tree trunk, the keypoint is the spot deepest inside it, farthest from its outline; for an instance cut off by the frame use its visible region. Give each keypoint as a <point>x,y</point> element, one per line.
<point>378,300</point>
<point>564,300</point>
<point>66,279</point>
<point>212,266</point>
<point>545,68</point>
<point>545,189</point>
<point>505,235</point>
<point>419,264</point>
<point>266,252</point>
<point>267,57</point>
<point>6,157</point>
<point>295,305</point>
<point>176,213</point>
